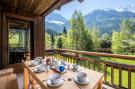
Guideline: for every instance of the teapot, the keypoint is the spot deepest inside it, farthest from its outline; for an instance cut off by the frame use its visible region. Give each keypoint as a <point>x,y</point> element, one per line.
<point>48,61</point>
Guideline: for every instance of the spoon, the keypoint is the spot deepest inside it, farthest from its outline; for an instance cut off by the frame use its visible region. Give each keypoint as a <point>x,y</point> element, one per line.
<point>45,80</point>
<point>70,79</point>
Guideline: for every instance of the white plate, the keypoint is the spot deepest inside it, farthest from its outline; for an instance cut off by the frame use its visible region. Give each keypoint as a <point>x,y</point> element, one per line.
<point>39,71</point>
<point>86,82</point>
<point>54,85</point>
<point>61,72</point>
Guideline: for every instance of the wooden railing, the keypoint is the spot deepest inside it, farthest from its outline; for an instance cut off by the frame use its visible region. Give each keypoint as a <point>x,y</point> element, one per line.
<point>109,68</point>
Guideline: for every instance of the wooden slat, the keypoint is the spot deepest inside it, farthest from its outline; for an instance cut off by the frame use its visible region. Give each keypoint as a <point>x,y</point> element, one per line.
<point>85,65</point>
<point>105,72</point>
<point>81,63</point>
<point>99,66</point>
<point>94,64</point>
<point>68,59</point>
<point>42,6</point>
<point>112,75</point>
<point>89,65</point>
<point>129,79</point>
<point>120,77</point>
<point>29,4</point>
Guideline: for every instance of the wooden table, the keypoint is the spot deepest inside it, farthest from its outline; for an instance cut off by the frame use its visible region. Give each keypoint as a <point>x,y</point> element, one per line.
<point>95,79</point>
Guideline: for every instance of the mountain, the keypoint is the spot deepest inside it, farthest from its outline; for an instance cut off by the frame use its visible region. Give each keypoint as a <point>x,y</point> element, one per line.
<point>55,23</point>
<point>106,21</point>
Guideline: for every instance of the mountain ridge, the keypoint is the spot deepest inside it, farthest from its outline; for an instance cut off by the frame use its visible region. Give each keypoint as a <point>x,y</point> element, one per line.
<point>106,21</point>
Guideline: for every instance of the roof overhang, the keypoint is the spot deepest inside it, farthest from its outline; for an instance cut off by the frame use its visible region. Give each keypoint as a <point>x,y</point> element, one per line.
<point>37,7</point>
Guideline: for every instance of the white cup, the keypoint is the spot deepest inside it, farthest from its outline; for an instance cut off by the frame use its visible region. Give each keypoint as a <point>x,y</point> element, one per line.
<point>41,68</point>
<point>75,67</point>
<point>81,76</point>
<point>33,63</point>
<point>55,78</point>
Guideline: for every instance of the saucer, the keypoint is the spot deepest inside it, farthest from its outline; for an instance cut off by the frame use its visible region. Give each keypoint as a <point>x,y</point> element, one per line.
<point>79,82</point>
<point>54,85</point>
<point>57,70</point>
<point>39,71</point>
<point>62,72</point>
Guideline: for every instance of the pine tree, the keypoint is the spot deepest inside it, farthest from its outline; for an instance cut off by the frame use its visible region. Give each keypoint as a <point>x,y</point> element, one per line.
<point>64,31</point>
<point>52,40</point>
<point>59,43</point>
<point>79,37</point>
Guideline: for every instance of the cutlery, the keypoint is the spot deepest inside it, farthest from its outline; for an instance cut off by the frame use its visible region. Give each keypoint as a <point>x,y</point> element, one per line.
<point>70,79</point>
<point>45,80</point>
<point>48,79</point>
<point>77,85</point>
<point>63,79</point>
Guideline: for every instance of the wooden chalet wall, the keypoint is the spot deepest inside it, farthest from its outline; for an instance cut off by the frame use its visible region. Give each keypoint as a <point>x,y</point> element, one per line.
<point>0,40</point>
<point>32,11</point>
<point>37,33</point>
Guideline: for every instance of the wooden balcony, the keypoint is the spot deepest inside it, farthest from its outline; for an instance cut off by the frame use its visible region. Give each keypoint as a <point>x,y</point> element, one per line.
<point>31,13</point>
<point>113,71</point>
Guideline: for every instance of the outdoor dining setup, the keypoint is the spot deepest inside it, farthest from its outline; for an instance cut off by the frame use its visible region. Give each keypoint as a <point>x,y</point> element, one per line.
<point>51,73</point>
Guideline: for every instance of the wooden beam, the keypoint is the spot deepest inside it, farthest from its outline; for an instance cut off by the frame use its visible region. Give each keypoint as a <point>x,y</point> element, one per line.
<point>45,7</point>
<point>29,4</point>
<point>13,3</point>
<point>14,10</point>
<point>50,8</point>
<point>19,17</point>
<point>42,5</point>
<point>4,41</point>
<point>39,33</point>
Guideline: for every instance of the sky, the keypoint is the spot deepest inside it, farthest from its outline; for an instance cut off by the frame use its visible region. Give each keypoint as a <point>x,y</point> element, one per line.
<point>89,5</point>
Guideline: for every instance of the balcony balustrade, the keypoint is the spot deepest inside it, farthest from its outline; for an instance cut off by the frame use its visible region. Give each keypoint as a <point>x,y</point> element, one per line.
<point>86,59</point>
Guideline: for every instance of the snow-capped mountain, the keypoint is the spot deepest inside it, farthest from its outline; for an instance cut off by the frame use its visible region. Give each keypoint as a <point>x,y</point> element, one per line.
<point>55,22</point>
<point>130,8</point>
<point>107,20</point>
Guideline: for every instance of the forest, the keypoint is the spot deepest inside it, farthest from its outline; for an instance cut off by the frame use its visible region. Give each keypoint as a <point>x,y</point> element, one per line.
<point>79,37</point>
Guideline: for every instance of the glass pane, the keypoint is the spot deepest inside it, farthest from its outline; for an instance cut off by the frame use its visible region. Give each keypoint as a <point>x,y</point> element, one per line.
<point>19,40</point>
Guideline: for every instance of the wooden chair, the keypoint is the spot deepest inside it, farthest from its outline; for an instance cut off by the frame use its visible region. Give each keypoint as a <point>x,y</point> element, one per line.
<point>8,80</point>
<point>6,72</point>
